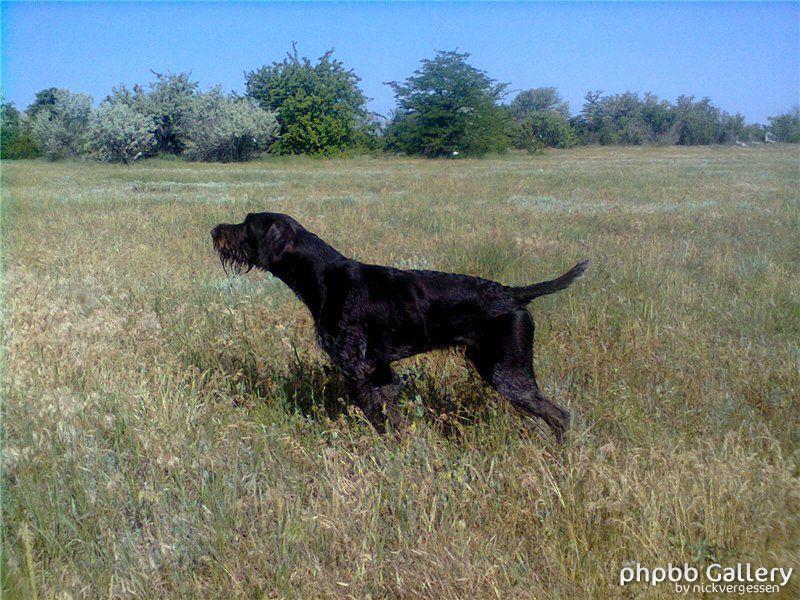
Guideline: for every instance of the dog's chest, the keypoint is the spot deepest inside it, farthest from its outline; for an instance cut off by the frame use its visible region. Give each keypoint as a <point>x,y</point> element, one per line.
<point>325,341</point>
<point>342,347</point>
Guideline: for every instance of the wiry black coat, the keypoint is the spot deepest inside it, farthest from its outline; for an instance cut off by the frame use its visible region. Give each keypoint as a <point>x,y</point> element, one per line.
<point>368,316</point>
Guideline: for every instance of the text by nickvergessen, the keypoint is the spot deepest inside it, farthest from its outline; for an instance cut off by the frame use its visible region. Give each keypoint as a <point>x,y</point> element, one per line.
<point>741,578</point>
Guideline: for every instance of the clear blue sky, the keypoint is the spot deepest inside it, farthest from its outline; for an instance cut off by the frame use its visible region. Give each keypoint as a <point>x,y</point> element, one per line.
<point>744,56</point>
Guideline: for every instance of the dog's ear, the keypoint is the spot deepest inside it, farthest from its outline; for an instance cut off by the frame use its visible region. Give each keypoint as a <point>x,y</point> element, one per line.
<point>275,240</point>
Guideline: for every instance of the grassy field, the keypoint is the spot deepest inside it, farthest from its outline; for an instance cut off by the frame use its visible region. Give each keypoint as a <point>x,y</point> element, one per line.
<point>172,432</point>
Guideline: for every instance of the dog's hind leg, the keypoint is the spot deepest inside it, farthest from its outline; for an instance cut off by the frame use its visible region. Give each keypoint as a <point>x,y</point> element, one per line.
<point>524,394</point>
<point>503,356</point>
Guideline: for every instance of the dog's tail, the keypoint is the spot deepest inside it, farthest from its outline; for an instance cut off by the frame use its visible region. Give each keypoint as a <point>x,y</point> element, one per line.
<point>526,294</point>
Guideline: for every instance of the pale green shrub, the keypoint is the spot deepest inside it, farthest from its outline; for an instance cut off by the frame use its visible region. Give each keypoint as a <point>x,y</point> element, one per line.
<point>227,129</point>
<point>168,102</point>
<point>62,129</point>
<point>121,134</point>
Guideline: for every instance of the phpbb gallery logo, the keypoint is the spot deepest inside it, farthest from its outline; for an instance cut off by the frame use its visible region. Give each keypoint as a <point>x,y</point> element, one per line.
<point>741,578</point>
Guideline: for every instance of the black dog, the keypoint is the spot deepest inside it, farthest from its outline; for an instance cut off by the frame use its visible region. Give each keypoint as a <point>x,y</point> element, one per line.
<point>368,316</point>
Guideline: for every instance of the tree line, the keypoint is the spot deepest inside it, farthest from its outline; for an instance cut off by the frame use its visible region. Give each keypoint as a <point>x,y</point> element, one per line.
<point>447,107</point>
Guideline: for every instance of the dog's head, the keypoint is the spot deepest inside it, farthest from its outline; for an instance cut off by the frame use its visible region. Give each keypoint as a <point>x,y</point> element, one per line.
<point>260,241</point>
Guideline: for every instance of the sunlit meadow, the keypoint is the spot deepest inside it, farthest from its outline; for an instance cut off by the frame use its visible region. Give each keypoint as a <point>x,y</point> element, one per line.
<point>169,431</point>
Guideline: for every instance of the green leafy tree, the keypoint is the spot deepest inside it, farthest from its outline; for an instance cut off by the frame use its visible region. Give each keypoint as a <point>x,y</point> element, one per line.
<point>225,129</point>
<point>61,129</point>
<point>544,129</point>
<point>320,108</point>
<point>44,99</point>
<point>658,117</point>
<point>595,122</point>
<point>9,128</point>
<point>541,119</point>
<point>629,119</point>
<point>625,112</point>
<point>15,137</point>
<point>786,127</point>
<point>731,129</point>
<point>544,99</point>
<point>755,132</point>
<point>614,119</point>
<point>448,106</point>
<point>697,121</point>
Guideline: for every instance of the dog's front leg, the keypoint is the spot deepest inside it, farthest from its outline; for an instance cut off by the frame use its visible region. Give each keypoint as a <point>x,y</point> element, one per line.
<point>370,385</point>
<point>367,397</point>
<point>384,386</point>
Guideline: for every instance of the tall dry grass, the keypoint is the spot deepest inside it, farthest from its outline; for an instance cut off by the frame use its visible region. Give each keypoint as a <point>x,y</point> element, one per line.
<point>169,432</point>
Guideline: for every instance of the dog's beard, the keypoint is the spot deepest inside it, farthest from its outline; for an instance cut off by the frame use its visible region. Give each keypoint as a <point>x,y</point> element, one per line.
<point>232,258</point>
<point>235,255</point>
<point>234,263</point>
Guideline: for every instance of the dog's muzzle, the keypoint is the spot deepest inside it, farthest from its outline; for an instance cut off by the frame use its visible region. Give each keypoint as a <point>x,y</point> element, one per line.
<point>229,243</point>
